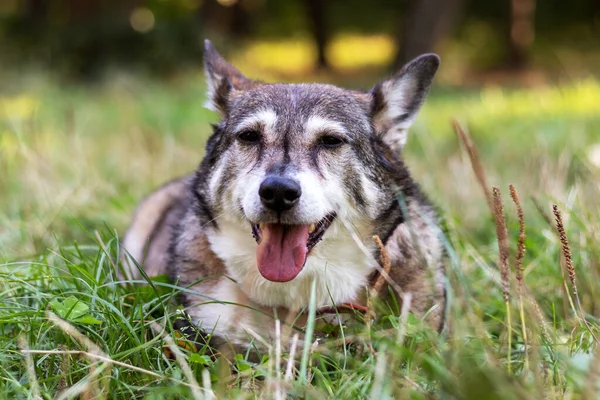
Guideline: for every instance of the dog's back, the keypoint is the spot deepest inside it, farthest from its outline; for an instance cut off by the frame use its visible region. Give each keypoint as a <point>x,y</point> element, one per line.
<point>148,238</point>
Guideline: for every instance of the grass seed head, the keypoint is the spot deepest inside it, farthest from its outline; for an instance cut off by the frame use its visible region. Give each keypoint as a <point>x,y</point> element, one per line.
<point>521,241</point>
<point>502,235</point>
<point>566,249</point>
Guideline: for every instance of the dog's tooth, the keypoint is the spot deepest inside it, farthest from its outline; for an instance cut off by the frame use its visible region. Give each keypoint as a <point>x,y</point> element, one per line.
<point>311,228</point>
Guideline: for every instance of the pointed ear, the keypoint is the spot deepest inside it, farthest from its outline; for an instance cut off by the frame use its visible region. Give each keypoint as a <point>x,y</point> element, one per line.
<point>223,80</point>
<point>395,102</point>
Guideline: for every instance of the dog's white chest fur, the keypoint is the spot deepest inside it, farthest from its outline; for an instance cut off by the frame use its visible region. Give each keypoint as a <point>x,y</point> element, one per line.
<point>339,267</point>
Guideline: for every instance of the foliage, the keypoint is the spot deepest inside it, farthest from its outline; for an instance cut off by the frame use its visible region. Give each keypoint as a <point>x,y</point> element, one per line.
<point>75,160</point>
<point>82,39</point>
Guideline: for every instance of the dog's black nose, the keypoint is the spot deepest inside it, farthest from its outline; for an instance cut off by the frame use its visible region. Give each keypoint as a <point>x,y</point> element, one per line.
<point>279,194</point>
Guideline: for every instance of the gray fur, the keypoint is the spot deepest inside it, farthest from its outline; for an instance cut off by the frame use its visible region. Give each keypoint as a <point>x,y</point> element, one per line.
<point>360,181</point>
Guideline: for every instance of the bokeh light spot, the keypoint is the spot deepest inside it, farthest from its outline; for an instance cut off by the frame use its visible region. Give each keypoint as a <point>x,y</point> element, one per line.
<point>142,19</point>
<point>227,3</point>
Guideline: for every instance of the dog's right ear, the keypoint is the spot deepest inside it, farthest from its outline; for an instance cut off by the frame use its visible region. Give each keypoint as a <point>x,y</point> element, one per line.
<point>223,80</point>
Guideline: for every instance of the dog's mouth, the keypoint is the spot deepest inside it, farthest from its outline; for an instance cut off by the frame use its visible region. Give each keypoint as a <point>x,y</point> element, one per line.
<point>282,249</point>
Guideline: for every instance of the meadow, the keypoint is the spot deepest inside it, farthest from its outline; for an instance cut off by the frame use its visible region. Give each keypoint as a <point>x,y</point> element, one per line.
<point>75,160</point>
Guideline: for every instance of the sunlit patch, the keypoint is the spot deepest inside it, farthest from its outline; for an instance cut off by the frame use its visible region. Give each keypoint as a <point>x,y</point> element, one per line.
<point>539,105</point>
<point>594,154</point>
<point>348,52</point>
<point>9,144</point>
<point>298,56</point>
<point>20,107</point>
<point>227,3</point>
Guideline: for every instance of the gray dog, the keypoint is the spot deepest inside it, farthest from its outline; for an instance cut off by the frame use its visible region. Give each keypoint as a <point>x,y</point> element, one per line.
<point>296,181</point>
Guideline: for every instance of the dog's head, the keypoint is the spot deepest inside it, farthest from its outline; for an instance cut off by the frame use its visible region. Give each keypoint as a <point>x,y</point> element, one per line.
<point>293,164</point>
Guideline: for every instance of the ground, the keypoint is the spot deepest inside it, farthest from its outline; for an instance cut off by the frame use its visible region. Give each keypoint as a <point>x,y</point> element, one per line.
<point>75,160</point>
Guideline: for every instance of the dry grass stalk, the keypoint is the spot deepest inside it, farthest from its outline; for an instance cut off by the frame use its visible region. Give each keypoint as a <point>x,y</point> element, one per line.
<point>208,392</point>
<point>197,392</point>
<point>87,387</point>
<point>386,265</point>
<point>289,369</point>
<point>33,382</point>
<point>502,235</point>
<point>466,140</point>
<point>384,260</point>
<point>313,347</point>
<point>100,358</point>
<point>566,249</point>
<point>403,323</point>
<point>369,253</point>
<point>521,241</point>
<point>381,368</point>
<point>541,322</point>
<point>519,269</point>
<point>279,391</point>
<point>74,333</point>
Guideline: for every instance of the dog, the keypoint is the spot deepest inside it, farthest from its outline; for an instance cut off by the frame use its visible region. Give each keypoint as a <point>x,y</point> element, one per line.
<point>295,182</point>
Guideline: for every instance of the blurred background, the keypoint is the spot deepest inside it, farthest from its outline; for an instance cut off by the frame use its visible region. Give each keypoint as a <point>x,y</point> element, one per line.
<point>523,41</point>
<point>102,100</point>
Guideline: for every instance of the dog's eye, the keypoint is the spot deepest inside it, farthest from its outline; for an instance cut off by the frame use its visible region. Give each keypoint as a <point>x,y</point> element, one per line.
<point>249,136</point>
<point>330,141</point>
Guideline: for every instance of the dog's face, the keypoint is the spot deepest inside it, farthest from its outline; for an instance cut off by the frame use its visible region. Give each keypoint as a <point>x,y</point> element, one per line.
<point>294,164</point>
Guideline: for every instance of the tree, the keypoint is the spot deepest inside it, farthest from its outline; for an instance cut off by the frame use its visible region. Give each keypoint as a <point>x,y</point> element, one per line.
<point>426,22</point>
<point>521,32</point>
<point>317,17</point>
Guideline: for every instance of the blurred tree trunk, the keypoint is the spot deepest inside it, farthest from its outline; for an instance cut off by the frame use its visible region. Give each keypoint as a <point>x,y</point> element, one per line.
<point>521,32</point>
<point>316,13</point>
<point>232,20</point>
<point>240,21</point>
<point>426,22</point>
<point>34,22</point>
<point>36,12</point>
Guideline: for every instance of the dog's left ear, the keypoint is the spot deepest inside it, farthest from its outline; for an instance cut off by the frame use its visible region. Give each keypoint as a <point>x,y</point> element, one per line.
<point>223,80</point>
<point>395,102</point>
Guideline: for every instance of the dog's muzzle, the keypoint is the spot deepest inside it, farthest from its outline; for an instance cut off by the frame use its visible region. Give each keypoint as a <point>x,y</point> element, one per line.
<point>283,248</point>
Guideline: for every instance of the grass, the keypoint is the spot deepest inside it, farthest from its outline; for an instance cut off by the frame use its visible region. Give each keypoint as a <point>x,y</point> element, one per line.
<point>75,161</point>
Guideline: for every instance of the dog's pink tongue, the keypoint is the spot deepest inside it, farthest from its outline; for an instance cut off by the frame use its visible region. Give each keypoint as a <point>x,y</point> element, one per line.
<point>282,251</point>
